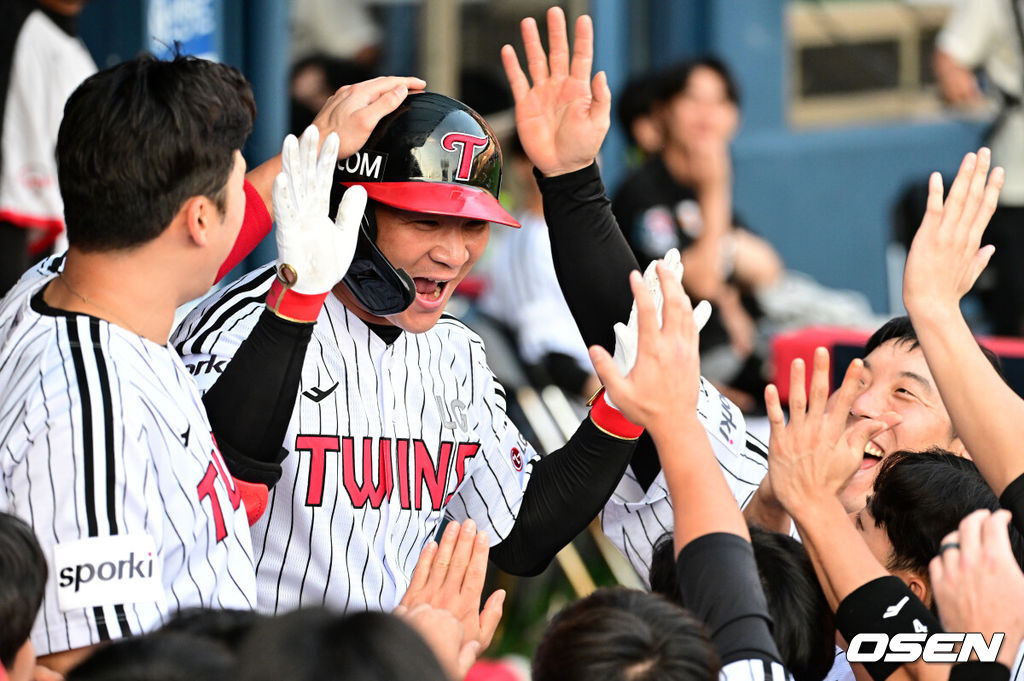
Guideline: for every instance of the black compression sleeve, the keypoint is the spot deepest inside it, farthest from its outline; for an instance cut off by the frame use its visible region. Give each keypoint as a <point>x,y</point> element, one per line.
<point>1012,499</point>
<point>719,583</point>
<point>591,256</point>
<point>567,488</point>
<point>979,671</point>
<point>251,403</point>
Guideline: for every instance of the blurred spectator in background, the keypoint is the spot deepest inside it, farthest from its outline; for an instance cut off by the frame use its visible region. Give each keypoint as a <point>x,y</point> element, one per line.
<point>523,292</point>
<point>343,29</point>
<point>42,61</point>
<point>314,79</point>
<point>682,198</point>
<point>987,34</point>
<point>636,115</point>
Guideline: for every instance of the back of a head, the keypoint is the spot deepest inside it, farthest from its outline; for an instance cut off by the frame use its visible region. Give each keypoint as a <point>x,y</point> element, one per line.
<point>158,657</point>
<point>804,626</point>
<point>140,138</point>
<point>637,99</point>
<point>625,635</point>
<point>229,628</point>
<point>920,497</point>
<point>318,645</point>
<point>22,583</point>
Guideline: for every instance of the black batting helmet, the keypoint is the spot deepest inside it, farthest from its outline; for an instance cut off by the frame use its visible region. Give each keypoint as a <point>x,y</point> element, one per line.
<point>433,154</point>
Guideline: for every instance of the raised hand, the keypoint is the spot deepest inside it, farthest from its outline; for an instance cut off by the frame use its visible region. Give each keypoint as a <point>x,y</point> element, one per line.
<point>450,576</point>
<point>946,256</point>
<point>313,252</point>
<point>663,383</point>
<point>354,110</point>
<point>815,454</point>
<point>563,117</point>
<point>977,582</point>
<point>626,334</point>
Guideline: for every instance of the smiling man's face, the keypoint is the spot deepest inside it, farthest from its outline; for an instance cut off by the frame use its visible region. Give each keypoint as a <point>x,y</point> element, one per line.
<point>896,378</point>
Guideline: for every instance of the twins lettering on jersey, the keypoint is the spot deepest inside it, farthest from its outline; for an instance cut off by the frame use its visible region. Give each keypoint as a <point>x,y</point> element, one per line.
<point>207,489</point>
<point>385,466</point>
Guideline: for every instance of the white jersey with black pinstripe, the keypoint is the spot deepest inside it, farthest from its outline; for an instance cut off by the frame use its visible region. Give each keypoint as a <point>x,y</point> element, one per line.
<point>106,451</point>
<point>754,670</point>
<point>384,441</point>
<point>634,520</point>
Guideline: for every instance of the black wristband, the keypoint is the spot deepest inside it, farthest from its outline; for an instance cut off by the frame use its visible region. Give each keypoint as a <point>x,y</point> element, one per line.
<point>1012,499</point>
<point>883,606</point>
<point>979,671</point>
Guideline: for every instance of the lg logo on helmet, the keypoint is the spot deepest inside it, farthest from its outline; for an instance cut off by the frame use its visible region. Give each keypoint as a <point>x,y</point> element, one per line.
<point>468,146</point>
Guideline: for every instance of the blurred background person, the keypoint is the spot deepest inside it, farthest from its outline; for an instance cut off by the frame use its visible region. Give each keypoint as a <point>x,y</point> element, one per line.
<point>42,60</point>
<point>986,35</point>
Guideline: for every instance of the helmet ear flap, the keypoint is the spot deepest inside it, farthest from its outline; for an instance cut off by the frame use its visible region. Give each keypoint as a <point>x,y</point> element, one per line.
<point>377,285</point>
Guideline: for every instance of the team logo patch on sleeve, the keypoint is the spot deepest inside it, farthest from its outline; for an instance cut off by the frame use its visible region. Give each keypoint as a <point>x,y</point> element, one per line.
<point>107,570</point>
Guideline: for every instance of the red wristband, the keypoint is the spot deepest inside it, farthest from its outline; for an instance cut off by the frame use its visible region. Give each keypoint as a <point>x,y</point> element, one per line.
<point>296,307</point>
<point>611,420</point>
<point>255,497</point>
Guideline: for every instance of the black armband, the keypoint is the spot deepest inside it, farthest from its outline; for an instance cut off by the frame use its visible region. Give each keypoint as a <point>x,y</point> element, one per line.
<point>567,489</point>
<point>251,403</point>
<point>1012,499</point>
<point>883,606</point>
<point>719,583</point>
<point>979,671</point>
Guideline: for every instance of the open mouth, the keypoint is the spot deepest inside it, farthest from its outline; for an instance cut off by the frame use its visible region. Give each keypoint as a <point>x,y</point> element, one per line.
<point>872,455</point>
<point>430,289</point>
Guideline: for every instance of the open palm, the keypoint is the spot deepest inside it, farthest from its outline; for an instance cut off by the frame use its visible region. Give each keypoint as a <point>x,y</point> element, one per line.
<point>563,117</point>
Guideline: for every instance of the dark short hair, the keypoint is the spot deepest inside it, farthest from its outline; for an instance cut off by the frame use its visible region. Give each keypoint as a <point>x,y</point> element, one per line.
<point>140,138</point>
<point>625,635</point>
<point>226,627</point>
<point>676,78</point>
<point>22,583</point>
<point>158,657</point>
<point>804,626</point>
<point>637,98</point>
<point>318,645</point>
<point>920,497</point>
<point>900,330</point>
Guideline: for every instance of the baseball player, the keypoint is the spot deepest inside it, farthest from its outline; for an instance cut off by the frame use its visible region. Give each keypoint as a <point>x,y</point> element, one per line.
<point>107,450</point>
<point>399,420</point>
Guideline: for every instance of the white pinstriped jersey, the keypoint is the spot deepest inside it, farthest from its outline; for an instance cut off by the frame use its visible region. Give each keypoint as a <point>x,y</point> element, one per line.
<point>634,520</point>
<point>384,441</point>
<point>106,451</point>
<point>754,670</point>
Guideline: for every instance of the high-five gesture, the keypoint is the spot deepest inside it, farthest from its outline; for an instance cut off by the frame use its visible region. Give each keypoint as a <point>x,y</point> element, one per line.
<point>946,255</point>
<point>563,116</point>
<point>816,453</point>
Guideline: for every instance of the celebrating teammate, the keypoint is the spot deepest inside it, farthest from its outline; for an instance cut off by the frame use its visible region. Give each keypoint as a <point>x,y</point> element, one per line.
<point>400,422</point>
<point>108,452</point>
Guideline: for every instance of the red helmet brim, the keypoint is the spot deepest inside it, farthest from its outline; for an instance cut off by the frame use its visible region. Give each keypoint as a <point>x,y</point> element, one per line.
<point>438,198</point>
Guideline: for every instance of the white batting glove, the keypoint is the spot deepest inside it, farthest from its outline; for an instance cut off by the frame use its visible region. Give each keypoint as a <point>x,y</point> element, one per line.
<point>626,334</point>
<point>314,253</point>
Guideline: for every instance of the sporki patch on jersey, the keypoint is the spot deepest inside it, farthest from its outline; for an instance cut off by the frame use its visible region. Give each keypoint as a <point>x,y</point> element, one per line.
<point>385,440</point>
<point>106,451</point>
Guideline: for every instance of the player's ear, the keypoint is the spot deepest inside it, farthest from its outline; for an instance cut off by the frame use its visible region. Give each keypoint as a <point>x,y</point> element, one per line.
<point>919,584</point>
<point>201,217</point>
